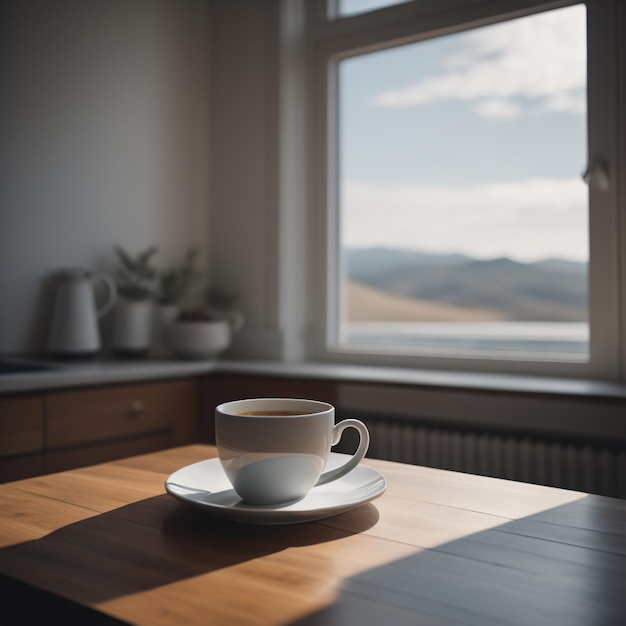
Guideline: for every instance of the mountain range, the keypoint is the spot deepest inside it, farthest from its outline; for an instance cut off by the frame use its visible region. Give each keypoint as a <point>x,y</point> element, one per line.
<point>547,290</point>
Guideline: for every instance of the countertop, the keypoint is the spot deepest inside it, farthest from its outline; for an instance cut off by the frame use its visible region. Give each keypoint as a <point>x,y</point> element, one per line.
<point>99,372</point>
<point>102,372</point>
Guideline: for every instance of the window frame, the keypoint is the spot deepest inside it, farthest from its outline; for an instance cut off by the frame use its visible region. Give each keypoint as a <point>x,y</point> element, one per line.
<point>331,40</point>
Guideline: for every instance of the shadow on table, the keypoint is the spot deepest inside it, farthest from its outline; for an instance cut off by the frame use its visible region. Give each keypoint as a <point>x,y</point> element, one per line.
<point>563,566</point>
<point>138,547</point>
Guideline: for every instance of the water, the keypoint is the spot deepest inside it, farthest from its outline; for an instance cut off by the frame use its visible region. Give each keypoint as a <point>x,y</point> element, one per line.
<point>564,338</point>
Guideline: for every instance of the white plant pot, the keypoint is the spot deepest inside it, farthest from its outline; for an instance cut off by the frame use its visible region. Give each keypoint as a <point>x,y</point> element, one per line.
<point>164,314</point>
<point>198,340</point>
<point>132,327</point>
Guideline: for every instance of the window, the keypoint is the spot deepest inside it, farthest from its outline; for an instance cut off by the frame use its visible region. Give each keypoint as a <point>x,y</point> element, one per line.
<point>458,231</point>
<point>463,212</point>
<point>346,8</point>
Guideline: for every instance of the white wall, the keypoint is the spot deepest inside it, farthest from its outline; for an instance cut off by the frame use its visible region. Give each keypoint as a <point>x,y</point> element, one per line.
<point>244,253</point>
<point>104,140</point>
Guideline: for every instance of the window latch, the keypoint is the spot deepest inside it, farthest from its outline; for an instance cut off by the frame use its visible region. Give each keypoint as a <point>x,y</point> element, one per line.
<point>597,174</point>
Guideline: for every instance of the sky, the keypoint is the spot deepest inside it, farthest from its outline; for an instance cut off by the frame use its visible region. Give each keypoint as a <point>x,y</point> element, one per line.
<point>471,143</point>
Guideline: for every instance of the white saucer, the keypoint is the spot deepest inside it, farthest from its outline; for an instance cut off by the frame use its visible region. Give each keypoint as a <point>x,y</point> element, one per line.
<point>205,484</point>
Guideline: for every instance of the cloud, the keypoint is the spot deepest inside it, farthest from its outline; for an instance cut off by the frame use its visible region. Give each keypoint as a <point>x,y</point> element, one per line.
<point>539,60</point>
<point>497,109</point>
<point>525,220</point>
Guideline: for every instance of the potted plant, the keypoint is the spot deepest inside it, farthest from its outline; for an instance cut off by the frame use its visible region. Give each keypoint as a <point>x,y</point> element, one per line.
<point>173,285</point>
<point>206,330</point>
<point>132,324</point>
<point>220,302</point>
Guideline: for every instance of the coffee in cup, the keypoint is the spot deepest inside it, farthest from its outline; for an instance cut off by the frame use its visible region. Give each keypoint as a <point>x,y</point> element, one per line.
<point>274,450</point>
<point>275,413</point>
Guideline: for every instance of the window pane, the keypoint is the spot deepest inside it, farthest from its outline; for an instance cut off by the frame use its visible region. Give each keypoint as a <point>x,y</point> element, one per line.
<point>463,216</point>
<point>355,7</point>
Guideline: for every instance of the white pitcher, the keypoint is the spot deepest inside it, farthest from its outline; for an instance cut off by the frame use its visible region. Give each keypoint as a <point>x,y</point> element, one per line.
<point>74,329</point>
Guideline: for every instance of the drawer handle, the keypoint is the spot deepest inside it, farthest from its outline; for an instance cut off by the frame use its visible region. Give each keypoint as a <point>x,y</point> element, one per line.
<point>136,407</point>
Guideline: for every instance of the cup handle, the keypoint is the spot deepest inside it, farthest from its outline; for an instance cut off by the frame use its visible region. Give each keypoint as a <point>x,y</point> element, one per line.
<point>236,320</point>
<point>112,292</point>
<point>356,458</point>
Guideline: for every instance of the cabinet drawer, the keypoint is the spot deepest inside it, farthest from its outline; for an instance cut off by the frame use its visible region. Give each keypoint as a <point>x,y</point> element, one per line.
<point>24,466</point>
<point>21,425</point>
<point>80,456</point>
<point>99,414</point>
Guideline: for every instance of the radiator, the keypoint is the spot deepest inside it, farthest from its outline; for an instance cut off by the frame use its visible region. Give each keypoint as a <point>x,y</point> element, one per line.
<point>590,468</point>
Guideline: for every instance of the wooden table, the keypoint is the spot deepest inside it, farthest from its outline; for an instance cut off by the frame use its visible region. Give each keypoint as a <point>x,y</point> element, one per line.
<point>106,543</point>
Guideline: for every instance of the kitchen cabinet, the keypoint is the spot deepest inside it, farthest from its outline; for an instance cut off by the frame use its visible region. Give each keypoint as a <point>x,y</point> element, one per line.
<point>64,429</point>
<point>21,437</point>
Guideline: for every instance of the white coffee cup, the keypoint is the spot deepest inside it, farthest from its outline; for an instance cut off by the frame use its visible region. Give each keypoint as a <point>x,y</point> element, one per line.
<point>274,450</point>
